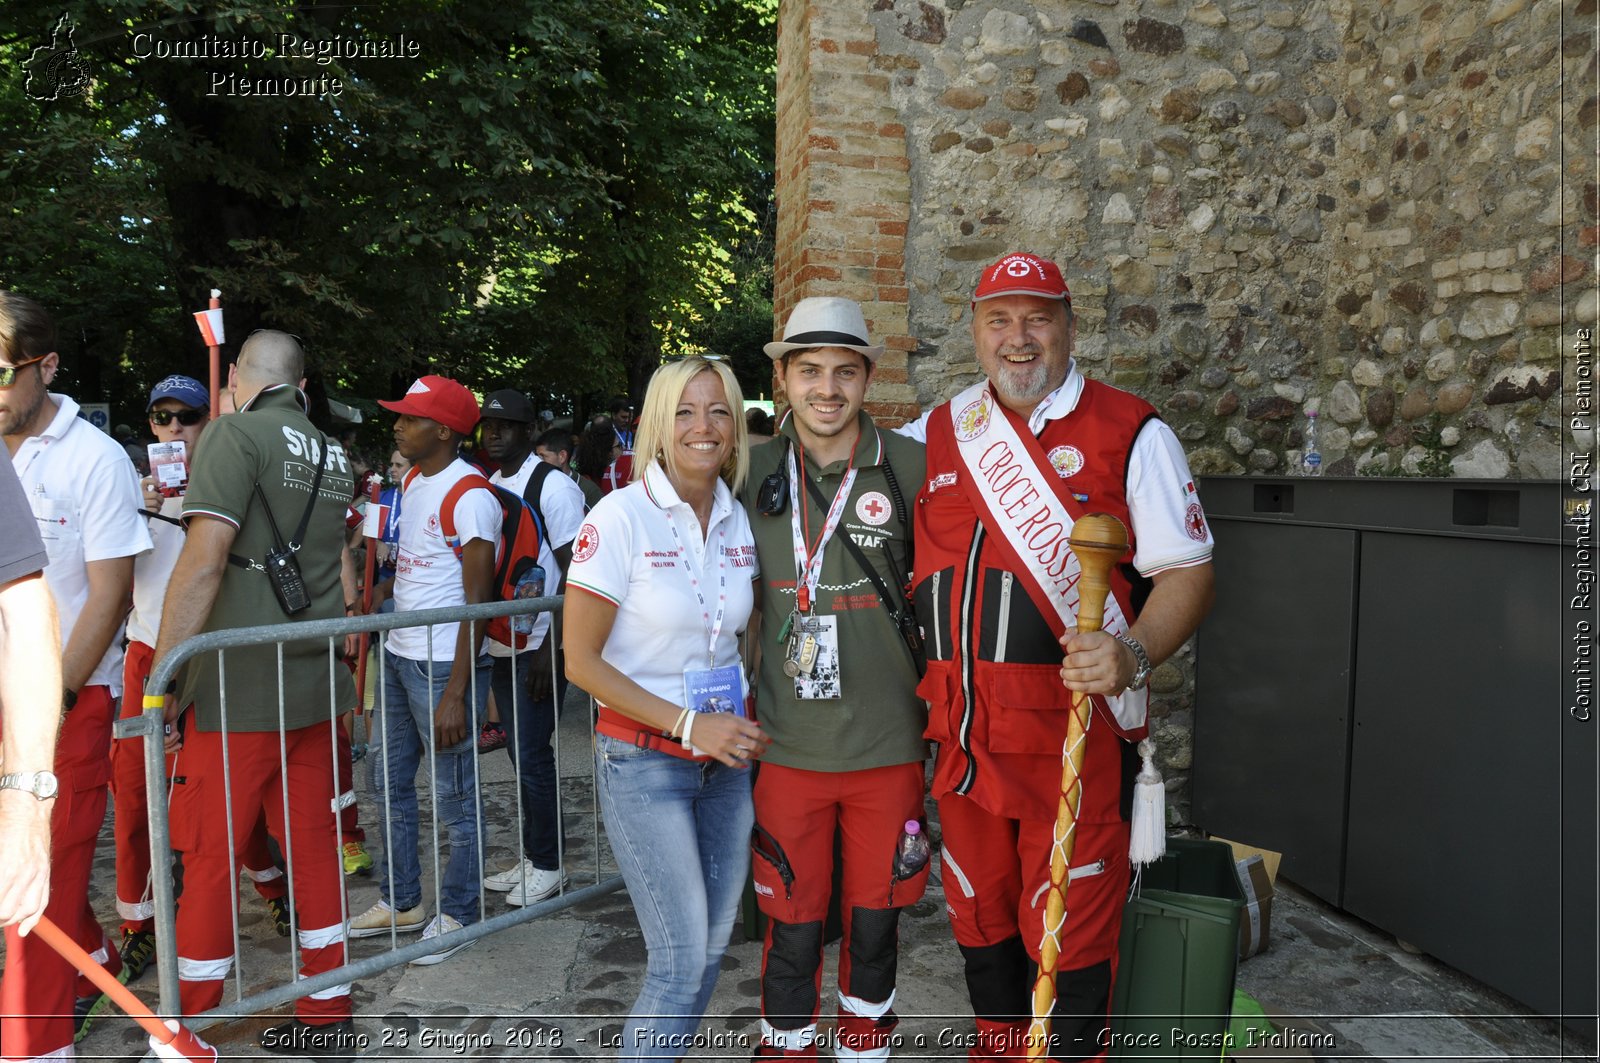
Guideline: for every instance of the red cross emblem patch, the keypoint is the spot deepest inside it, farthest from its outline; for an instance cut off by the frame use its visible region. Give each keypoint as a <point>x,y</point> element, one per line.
<point>873,507</point>
<point>587,542</point>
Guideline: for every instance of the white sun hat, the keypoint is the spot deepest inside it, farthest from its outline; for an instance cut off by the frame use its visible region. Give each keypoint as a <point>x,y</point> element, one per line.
<point>825,321</point>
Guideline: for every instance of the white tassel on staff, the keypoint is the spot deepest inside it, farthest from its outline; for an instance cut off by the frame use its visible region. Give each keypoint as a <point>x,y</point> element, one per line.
<point>1148,841</point>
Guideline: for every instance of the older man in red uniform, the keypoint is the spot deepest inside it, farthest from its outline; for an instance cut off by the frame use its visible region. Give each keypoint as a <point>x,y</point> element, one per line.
<point>1012,462</point>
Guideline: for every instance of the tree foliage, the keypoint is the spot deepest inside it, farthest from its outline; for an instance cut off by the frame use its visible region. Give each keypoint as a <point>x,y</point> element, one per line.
<point>548,195</point>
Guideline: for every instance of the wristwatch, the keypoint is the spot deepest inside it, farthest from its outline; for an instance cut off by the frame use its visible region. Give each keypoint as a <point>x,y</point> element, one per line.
<point>1141,674</point>
<point>41,784</point>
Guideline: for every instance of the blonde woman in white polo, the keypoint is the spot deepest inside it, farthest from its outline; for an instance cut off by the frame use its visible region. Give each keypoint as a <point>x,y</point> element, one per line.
<point>660,589</point>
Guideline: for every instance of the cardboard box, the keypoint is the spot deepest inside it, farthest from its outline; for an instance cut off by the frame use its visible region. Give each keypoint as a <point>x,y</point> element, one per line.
<point>1258,872</point>
<point>1255,922</point>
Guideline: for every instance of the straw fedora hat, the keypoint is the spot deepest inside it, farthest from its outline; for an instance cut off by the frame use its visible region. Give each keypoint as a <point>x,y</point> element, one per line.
<point>825,321</point>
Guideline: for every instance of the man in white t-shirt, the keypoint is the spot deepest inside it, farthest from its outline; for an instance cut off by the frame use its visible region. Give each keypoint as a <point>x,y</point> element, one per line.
<point>434,682</point>
<point>526,692</point>
<point>84,494</point>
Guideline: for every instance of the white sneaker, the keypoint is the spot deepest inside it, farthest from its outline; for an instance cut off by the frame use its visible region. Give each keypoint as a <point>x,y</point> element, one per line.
<point>511,878</point>
<point>440,925</point>
<point>539,885</point>
<point>378,919</point>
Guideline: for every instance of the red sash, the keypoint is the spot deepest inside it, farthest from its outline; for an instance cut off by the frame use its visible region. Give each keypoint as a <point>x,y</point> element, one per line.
<point>1029,512</point>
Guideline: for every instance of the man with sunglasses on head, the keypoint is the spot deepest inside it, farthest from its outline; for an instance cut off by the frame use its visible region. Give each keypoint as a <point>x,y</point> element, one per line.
<point>85,500</point>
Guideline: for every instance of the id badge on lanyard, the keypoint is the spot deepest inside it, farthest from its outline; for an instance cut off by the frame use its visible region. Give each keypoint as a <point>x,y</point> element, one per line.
<point>811,655</point>
<point>816,661</point>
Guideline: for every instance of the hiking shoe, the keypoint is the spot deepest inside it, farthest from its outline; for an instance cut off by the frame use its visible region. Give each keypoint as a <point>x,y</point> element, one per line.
<point>138,953</point>
<point>84,1010</point>
<point>440,925</point>
<point>536,887</point>
<point>357,861</point>
<point>491,738</point>
<point>381,917</point>
<point>333,1041</point>
<point>511,878</point>
<point>279,907</point>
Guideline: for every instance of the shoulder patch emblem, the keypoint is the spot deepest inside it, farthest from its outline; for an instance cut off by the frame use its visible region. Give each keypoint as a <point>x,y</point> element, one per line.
<point>586,544</point>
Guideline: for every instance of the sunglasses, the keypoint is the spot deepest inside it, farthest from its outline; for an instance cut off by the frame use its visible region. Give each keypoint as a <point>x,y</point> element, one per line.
<point>8,374</point>
<point>187,418</point>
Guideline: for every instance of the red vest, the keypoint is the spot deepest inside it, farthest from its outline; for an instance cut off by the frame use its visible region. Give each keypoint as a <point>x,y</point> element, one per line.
<point>997,706</point>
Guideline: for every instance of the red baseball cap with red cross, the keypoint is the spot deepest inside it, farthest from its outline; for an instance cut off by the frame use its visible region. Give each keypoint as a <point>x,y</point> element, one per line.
<point>1020,273</point>
<point>438,398</point>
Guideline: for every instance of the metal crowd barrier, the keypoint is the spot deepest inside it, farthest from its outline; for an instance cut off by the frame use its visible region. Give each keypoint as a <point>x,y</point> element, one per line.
<point>149,726</point>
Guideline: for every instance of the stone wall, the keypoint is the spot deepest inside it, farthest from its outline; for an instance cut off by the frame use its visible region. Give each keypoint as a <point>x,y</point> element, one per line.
<point>1381,209</point>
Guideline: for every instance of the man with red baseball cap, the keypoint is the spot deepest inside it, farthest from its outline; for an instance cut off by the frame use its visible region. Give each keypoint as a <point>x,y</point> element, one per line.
<point>435,683</point>
<point>1013,461</point>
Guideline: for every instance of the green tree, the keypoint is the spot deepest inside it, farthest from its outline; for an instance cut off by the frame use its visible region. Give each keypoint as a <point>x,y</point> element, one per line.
<point>545,193</point>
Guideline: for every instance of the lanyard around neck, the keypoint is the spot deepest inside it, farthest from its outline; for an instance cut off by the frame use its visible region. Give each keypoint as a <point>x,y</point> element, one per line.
<point>809,555</point>
<point>711,624</point>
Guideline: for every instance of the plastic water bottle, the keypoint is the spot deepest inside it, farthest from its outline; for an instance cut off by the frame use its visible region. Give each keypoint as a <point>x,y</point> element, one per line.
<point>1312,459</point>
<point>529,585</point>
<point>911,853</point>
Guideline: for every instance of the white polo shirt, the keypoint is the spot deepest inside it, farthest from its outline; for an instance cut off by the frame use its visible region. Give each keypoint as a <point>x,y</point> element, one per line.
<point>562,519</point>
<point>84,493</point>
<point>1160,487</point>
<point>627,554</point>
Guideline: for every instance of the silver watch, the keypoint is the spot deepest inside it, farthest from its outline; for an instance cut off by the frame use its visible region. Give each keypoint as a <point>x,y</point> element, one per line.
<point>1141,674</point>
<point>41,784</point>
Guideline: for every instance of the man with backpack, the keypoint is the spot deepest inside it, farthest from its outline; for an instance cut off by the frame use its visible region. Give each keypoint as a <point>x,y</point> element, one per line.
<point>528,688</point>
<point>434,680</point>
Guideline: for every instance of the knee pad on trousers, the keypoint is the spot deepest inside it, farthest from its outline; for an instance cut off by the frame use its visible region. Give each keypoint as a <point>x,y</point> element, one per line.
<point>874,951</point>
<point>789,973</point>
<point>1080,1019</point>
<point>997,979</point>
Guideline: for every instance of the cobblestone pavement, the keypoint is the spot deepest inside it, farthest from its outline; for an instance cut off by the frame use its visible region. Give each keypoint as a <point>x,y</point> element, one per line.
<point>558,987</point>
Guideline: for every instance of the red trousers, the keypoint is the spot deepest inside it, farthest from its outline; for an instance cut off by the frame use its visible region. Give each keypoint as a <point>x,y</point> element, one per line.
<point>797,815</point>
<point>996,881</point>
<point>38,989</point>
<point>131,812</point>
<point>256,786</point>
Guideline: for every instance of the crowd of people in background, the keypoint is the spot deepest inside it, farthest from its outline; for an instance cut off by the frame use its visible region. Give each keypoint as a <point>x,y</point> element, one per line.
<point>773,617</point>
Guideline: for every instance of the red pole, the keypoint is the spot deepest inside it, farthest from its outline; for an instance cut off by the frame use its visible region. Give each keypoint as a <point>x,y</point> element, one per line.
<point>216,358</point>
<point>374,493</point>
<point>179,1042</point>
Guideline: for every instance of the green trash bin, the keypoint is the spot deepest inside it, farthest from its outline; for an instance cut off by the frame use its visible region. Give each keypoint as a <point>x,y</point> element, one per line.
<point>1179,954</point>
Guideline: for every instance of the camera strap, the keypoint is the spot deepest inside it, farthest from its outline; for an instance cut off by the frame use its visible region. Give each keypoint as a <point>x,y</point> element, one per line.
<point>272,523</point>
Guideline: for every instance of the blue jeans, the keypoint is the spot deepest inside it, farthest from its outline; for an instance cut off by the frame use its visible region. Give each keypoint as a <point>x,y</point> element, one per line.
<point>528,733</point>
<point>680,832</point>
<point>402,735</point>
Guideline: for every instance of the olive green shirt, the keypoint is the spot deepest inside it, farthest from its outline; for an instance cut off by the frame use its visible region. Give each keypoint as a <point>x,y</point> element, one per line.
<point>272,442</point>
<point>879,719</point>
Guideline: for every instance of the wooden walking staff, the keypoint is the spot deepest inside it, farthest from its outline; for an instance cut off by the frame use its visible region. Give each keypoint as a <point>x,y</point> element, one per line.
<point>1098,542</point>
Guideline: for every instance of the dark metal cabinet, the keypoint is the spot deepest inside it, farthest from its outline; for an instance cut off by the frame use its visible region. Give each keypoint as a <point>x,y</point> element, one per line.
<point>1382,694</point>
